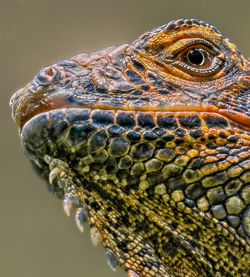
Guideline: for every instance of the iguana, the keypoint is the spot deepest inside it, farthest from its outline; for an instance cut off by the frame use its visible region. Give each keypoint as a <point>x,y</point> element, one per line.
<point>149,143</point>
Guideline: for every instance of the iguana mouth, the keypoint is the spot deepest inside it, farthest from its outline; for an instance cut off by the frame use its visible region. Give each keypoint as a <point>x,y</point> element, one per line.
<point>23,110</point>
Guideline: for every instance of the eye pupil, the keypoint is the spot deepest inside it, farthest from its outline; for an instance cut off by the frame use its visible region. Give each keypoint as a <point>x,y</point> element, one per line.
<point>195,57</point>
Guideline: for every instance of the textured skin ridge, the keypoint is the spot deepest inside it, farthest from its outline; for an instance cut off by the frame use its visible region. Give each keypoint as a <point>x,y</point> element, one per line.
<point>149,143</point>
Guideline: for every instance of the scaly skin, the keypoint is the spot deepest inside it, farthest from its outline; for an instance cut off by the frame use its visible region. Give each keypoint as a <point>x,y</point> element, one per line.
<point>149,142</point>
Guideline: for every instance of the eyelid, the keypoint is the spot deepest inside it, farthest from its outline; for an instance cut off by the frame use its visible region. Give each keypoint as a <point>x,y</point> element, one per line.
<point>209,71</point>
<point>183,44</point>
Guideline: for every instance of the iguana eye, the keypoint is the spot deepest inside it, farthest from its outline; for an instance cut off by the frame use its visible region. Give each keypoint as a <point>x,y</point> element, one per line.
<point>199,60</point>
<point>195,56</point>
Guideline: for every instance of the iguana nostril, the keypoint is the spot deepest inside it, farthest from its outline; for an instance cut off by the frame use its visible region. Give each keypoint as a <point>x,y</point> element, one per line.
<point>47,76</point>
<point>50,72</point>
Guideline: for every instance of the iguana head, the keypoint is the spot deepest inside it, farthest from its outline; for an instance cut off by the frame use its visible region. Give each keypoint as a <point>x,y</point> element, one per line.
<point>185,65</point>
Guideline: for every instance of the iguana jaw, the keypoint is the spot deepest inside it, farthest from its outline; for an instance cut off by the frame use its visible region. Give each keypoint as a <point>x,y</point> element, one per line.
<point>25,105</point>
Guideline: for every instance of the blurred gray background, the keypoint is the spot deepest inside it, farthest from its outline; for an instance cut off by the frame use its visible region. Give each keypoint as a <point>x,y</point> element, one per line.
<point>36,238</point>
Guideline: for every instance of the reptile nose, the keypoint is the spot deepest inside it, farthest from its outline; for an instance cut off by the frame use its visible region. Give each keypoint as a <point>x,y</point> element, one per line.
<point>47,76</point>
